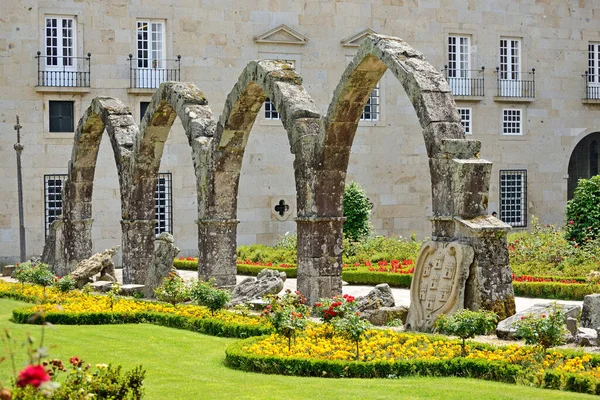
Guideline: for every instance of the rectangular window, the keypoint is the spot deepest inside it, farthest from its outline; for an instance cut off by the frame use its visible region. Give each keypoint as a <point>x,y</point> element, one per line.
<point>150,50</point>
<point>163,204</point>
<point>593,76</point>
<point>512,121</point>
<point>466,120</point>
<point>459,65</point>
<point>509,78</point>
<point>513,197</point>
<point>270,110</point>
<point>53,205</point>
<point>61,115</point>
<point>371,111</point>
<point>143,107</point>
<point>59,43</point>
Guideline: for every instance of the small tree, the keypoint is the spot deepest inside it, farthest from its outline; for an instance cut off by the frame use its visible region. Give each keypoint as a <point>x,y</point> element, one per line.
<point>287,314</point>
<point>353,328</point>
<point>466,324</point>
<point>208,295</point>
<point>583,213</point>
<point>543,330</point>
<point>357,210</point>
<point>172,290</point>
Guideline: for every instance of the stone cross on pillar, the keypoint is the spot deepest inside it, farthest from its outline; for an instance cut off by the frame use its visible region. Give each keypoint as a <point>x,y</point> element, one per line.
<point>281,208</point>
<point>19,148</point>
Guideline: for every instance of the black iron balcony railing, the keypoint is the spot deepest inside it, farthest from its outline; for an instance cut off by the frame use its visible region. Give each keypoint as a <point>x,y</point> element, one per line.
<point>63,71</point>
<point>149,74</point>
<point>592,86</point>
<point>515,84</point>
<point>466,82</point>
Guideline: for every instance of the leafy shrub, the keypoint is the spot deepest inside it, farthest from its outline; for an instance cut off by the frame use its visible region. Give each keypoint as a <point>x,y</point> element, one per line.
<point>554,290</point>
<point>335,307</point>
<point>208,295</point>
<point>466,324</point>
<point>287,314</point>
<point>357,210</point>
<point>362,277</point>
<point>378,248</point>
<point>65,284</point>
<point>172,290</point>
<point>543,330</point>
<point>583,213</point>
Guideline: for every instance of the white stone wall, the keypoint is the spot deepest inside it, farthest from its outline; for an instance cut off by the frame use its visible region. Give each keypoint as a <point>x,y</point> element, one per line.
<point>215,40</point>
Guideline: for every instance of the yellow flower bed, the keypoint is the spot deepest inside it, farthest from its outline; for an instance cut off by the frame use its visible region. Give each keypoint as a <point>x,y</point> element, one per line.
<point>77,302</point>
<point>386,345</point>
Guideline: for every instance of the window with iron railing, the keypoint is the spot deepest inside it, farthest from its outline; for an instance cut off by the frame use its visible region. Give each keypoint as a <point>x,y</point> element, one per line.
<point>513,197</point>
<point>592,75</point>
<point>163,202</point>
<point>53,201</point>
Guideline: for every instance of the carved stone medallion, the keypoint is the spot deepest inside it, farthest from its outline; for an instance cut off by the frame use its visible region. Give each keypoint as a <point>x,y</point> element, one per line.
<point>438,285</point>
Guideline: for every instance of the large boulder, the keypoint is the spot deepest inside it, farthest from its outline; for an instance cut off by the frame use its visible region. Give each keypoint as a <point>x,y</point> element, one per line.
<point>380,296</point>
<point>590,313</point>
<point>267,281</point>
<point>161,264</point>
<point>506,329</point>
<point>384,315</point>
<point>99,263</point>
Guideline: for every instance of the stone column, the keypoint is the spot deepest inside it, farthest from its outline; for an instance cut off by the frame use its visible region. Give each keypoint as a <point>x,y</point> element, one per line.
<point>78,243</point>
<point>320,256</point>
<point>217,250</point>
<point>138,249</point>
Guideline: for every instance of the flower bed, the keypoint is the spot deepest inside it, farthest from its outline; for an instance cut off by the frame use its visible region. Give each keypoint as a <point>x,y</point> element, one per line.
<point>77,308</point>
<point>387,354</point>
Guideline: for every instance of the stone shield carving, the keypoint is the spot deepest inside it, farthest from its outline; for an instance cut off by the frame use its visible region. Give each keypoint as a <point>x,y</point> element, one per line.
<point>438,285</point>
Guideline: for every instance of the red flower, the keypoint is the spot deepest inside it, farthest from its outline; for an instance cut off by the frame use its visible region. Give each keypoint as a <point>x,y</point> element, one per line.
<point>318,304</point>
<point>522,317</point>
<point>571,222</point>
<point>33,375</point>
<point>543,315</point>
<point>76,361</point>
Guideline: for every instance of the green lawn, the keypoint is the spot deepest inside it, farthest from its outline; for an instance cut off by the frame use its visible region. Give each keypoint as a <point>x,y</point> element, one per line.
<point>187,365</point>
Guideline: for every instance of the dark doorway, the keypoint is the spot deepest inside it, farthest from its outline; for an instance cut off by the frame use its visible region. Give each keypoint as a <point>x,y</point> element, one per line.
<point>583,163</point>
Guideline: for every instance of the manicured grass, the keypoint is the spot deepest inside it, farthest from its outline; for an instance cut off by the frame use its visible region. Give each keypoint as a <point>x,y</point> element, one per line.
<point>187,365</point>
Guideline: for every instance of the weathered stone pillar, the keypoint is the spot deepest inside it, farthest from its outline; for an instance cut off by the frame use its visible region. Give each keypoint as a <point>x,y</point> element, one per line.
<point>78,243</point>
<point>489,286</point>
<point>217,246</point>
<point>319,256</point>
<point>138,249</point>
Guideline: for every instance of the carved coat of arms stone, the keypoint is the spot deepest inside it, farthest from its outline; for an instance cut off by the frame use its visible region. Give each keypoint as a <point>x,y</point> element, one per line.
<point>438,285</point>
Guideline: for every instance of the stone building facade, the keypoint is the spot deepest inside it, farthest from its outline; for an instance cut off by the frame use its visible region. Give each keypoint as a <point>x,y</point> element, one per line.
<point>535,113</point>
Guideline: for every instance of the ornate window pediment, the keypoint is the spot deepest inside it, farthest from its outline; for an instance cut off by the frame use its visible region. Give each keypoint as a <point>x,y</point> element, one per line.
<point>354,41</point>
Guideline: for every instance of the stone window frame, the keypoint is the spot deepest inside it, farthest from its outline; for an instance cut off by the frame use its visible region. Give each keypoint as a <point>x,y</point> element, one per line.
<point>467,123</point>
<point>504,120</point>
<point>54,103</point>
<point>140,106</point>
<point>74,11</point>
<point>164,213</point>
<point>380,122</point>
<point>512,196</point>
<point>77,112</point>
<point>265,55</point>
<point>53,212</point>
<point>459,85</point>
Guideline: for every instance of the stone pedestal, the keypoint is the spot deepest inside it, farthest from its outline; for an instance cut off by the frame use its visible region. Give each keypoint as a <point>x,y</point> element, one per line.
<point>590,314</point>
<point>319,257</point>
<point>138,249</point>
<point>217,246</point>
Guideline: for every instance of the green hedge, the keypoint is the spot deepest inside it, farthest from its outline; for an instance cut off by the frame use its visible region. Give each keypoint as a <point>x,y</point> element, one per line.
<point>375,278</point>
<point>499,371</point>
<point>207,326</point>
<point>186,265</point>
<point>554,290</point>
<point>246,269</point>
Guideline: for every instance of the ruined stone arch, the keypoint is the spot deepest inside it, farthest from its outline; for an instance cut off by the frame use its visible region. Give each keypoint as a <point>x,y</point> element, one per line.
<point>70,238</point>
<point>278,81</point>
<point>459,181</point>
<point>171,100</point>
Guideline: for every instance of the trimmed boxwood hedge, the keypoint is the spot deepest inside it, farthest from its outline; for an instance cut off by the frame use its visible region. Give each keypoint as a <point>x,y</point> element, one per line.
<point>186,265</point>
<point>207,326</point>
<point>499,371</point>
<point>375,278</point>
<point>246,269</point>
<point>554,290</point>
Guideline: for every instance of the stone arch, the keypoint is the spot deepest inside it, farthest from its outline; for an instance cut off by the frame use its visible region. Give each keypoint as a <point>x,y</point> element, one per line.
<point>171,100</point>
<point>278,81</point>
<point>70,238</point>
<point>459,179</point>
